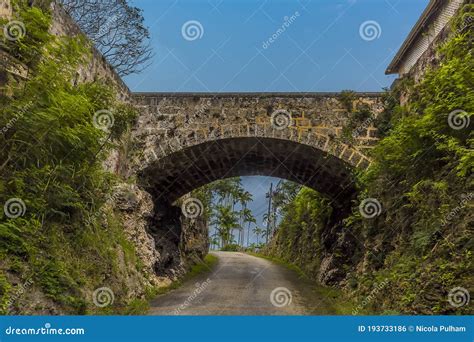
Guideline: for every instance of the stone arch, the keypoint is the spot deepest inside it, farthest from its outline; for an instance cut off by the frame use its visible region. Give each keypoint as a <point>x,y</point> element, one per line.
<point>182,169</point>
<point>184,141</point>
<point>188,140</point>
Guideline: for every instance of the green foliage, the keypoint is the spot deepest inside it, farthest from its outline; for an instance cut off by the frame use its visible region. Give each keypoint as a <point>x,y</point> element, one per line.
<point>207,265</point>
<point>347,98</point>
<point>323,300</point>
<point>285,193</point>
<point>51,159</point>
<point>421,245</point>
<point>29,47</point>
<point>360,117</point>
<point>298,238</point>
<point>225,221</point>
<point>422,173</point>
<point>225,206</point>
<point>231,247</point>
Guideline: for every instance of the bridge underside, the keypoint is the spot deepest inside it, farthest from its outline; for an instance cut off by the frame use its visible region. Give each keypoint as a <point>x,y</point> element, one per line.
<point>177,174</point>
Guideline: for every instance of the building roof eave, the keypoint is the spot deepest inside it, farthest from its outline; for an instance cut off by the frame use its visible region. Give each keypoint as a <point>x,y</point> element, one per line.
<point>414,33</point>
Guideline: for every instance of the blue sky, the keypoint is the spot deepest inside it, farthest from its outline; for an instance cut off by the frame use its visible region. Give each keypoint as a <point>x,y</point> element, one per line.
<point>321,49</point>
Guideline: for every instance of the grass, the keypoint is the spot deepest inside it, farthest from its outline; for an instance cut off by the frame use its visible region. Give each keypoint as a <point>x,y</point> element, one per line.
<point>283,263</point>
<point>141,306</point>
<point>207,265</point>
<point>337,303</point>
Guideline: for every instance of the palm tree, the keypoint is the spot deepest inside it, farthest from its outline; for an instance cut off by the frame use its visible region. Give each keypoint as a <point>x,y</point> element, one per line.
<point>258,232</point>
<point>225,221</point>
<point>243,197</point>
<point>269,220</point>
<point>247,218</point>
<point>214,241</point>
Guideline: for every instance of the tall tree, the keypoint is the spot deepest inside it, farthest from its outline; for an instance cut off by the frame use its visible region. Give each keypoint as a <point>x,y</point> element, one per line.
<point>259,232</point>
<point>117,30</point>
<point>284,194</point>
<point>247,218</point>
<point>225,221</point>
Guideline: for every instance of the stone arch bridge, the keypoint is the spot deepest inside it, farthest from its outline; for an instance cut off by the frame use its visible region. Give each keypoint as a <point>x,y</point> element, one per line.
<point>187,140</point>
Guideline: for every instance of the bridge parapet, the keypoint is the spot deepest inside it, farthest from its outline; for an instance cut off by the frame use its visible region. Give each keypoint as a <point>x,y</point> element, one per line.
<point>170,122</point>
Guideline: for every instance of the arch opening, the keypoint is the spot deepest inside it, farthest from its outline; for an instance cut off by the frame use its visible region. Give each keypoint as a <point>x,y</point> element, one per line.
<point>169,178</point>
<point>183,171</point>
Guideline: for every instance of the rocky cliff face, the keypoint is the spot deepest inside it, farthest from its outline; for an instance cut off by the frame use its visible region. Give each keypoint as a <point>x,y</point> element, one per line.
<point>161,235</point>
<point>127,245</point>
<point>311,235</point>
<point>166,242</point>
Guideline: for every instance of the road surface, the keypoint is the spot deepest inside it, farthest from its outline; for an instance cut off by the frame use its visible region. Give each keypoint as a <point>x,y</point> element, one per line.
<point>240,284</point>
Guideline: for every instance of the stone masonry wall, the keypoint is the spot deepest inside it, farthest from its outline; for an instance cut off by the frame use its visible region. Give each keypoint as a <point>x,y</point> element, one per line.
<point>63,24</point>
<point>172,121</point>
<point>175,135</point>
<point>98,68</point>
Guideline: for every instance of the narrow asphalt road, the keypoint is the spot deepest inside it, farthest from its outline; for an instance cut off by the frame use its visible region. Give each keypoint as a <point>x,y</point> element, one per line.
<point>239,284</point>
